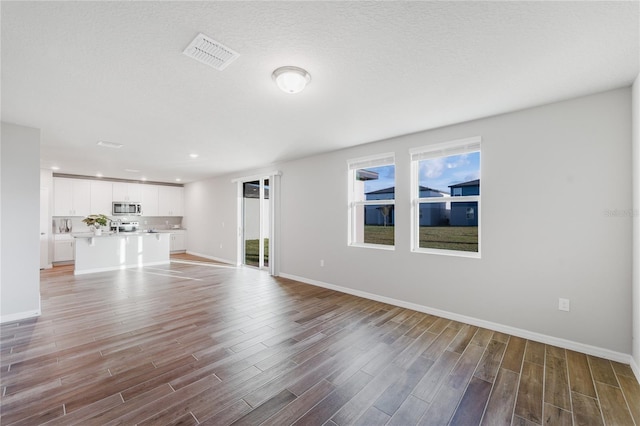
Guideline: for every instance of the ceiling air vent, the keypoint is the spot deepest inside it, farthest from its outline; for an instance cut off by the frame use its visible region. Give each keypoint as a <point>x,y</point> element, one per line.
<point>210,52</point>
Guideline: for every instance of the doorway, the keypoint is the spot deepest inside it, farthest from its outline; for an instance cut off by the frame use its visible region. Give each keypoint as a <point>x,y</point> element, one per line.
<point>256,223</point>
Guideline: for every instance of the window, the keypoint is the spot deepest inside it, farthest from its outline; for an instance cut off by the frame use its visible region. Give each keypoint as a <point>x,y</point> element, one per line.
<point>470,213</point>
<point>446,198</point>
<point>372,201</point>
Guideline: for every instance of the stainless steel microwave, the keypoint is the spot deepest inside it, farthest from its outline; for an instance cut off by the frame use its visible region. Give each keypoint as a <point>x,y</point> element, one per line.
<point>126,208</point>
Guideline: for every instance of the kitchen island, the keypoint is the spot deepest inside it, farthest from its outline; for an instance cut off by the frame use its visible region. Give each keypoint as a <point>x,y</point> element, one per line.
<point>112,251</point>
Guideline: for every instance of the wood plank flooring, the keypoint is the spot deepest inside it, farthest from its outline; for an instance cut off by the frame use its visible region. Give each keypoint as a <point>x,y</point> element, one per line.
<point>196,342</point>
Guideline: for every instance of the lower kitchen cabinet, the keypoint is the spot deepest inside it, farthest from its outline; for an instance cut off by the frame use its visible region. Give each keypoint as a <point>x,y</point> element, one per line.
<point>63,248</point>
<point>178,241</point>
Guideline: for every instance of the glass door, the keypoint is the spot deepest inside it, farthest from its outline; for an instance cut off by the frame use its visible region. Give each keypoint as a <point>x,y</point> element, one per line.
<point>256,223</point>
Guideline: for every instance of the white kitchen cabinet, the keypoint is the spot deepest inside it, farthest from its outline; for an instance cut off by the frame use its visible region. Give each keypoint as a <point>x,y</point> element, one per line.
<point>127,192</point>
<point>63,248</point>
<point>149,200</point>
<point>71,197</point>
<point>178,241</point>
<point>170,199</point>
<point>101,197</point>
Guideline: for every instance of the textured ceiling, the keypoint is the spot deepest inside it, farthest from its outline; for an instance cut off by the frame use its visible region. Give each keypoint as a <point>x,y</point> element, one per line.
<point>89,71</point>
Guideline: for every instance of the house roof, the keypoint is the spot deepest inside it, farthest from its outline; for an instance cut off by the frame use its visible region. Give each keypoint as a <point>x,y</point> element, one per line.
<point>392,189</point>
<point>469,183</point>
<point>389,190</point>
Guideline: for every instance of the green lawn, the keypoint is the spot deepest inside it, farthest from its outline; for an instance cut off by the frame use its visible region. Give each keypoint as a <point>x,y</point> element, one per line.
<point>379,235</point>
<point>462,238</point>
<point>252,253</point>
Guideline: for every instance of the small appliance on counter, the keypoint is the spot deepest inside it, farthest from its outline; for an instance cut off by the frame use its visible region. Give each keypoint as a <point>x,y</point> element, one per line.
<point>124,226</point>
<point>63,226</point>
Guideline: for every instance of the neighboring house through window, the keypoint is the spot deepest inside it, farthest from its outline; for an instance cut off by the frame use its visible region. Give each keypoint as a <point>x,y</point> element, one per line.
<point>372,201</point>
<point>464,214</point>
<point>446,198</point>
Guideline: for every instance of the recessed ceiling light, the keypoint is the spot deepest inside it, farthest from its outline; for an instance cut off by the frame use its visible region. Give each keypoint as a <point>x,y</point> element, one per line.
<point>107,144</point>
<point>55,168</point>
<point>291,79</point>
<point>143,178</point>
<point>98,174</point>
<point>178,180</point>
<point>132,170</point>
<point>193,155</point>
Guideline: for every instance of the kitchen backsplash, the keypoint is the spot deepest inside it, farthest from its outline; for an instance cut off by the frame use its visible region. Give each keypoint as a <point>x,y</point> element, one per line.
<point>75,224</point>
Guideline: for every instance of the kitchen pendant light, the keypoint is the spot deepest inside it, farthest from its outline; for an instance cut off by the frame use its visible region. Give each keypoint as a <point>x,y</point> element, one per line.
<point>291,79</point>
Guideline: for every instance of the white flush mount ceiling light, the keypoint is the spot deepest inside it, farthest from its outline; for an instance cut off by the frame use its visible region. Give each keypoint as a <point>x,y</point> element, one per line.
<point>291,79</point>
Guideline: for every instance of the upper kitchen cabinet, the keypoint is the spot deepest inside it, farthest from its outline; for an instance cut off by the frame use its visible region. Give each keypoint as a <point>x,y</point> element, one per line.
<point>101,197</point>
<point>71,197</point>
<point>127,192</point>
<point>170,199</point>
<point>149,200</point>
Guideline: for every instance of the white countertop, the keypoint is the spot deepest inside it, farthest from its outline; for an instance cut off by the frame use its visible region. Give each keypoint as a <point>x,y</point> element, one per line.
<point>119,234</point>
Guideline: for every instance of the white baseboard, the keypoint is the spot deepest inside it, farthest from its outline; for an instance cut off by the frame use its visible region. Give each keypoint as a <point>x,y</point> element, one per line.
<point>217,259</point>
<point>117,268</point>
<point>20,316</point>
<point>526,334</point>
<point>635,368</point>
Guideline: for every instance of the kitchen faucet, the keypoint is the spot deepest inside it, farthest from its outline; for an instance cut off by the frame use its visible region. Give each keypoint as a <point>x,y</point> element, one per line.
<point>118,223</point>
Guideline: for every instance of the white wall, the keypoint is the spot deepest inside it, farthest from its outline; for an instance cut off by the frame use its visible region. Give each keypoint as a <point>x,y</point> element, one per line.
<point>212,229</point>
<point>636,226</point>
<point>572,155</point>
<point>20,253</point>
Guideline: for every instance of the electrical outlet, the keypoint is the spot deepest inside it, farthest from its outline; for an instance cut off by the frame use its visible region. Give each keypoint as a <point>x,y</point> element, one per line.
<point>322,262</point>
<point>563,304</point>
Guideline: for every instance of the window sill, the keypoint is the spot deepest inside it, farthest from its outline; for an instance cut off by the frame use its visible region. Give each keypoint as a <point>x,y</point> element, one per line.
<point>373,246</point>
<point>454,253</point>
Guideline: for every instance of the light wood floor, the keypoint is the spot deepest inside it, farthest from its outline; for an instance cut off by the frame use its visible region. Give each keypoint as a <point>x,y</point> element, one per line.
<point>206,343</point>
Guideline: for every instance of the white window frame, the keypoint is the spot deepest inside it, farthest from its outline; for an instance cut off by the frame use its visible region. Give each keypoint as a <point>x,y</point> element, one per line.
<point>455,147</point>
<point>386,159</point>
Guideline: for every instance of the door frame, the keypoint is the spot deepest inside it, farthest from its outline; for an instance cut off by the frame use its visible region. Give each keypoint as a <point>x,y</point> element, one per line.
<point>274,219</point>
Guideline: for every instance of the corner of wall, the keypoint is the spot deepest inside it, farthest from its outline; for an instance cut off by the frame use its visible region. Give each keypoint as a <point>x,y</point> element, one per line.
<point>635,123</point>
